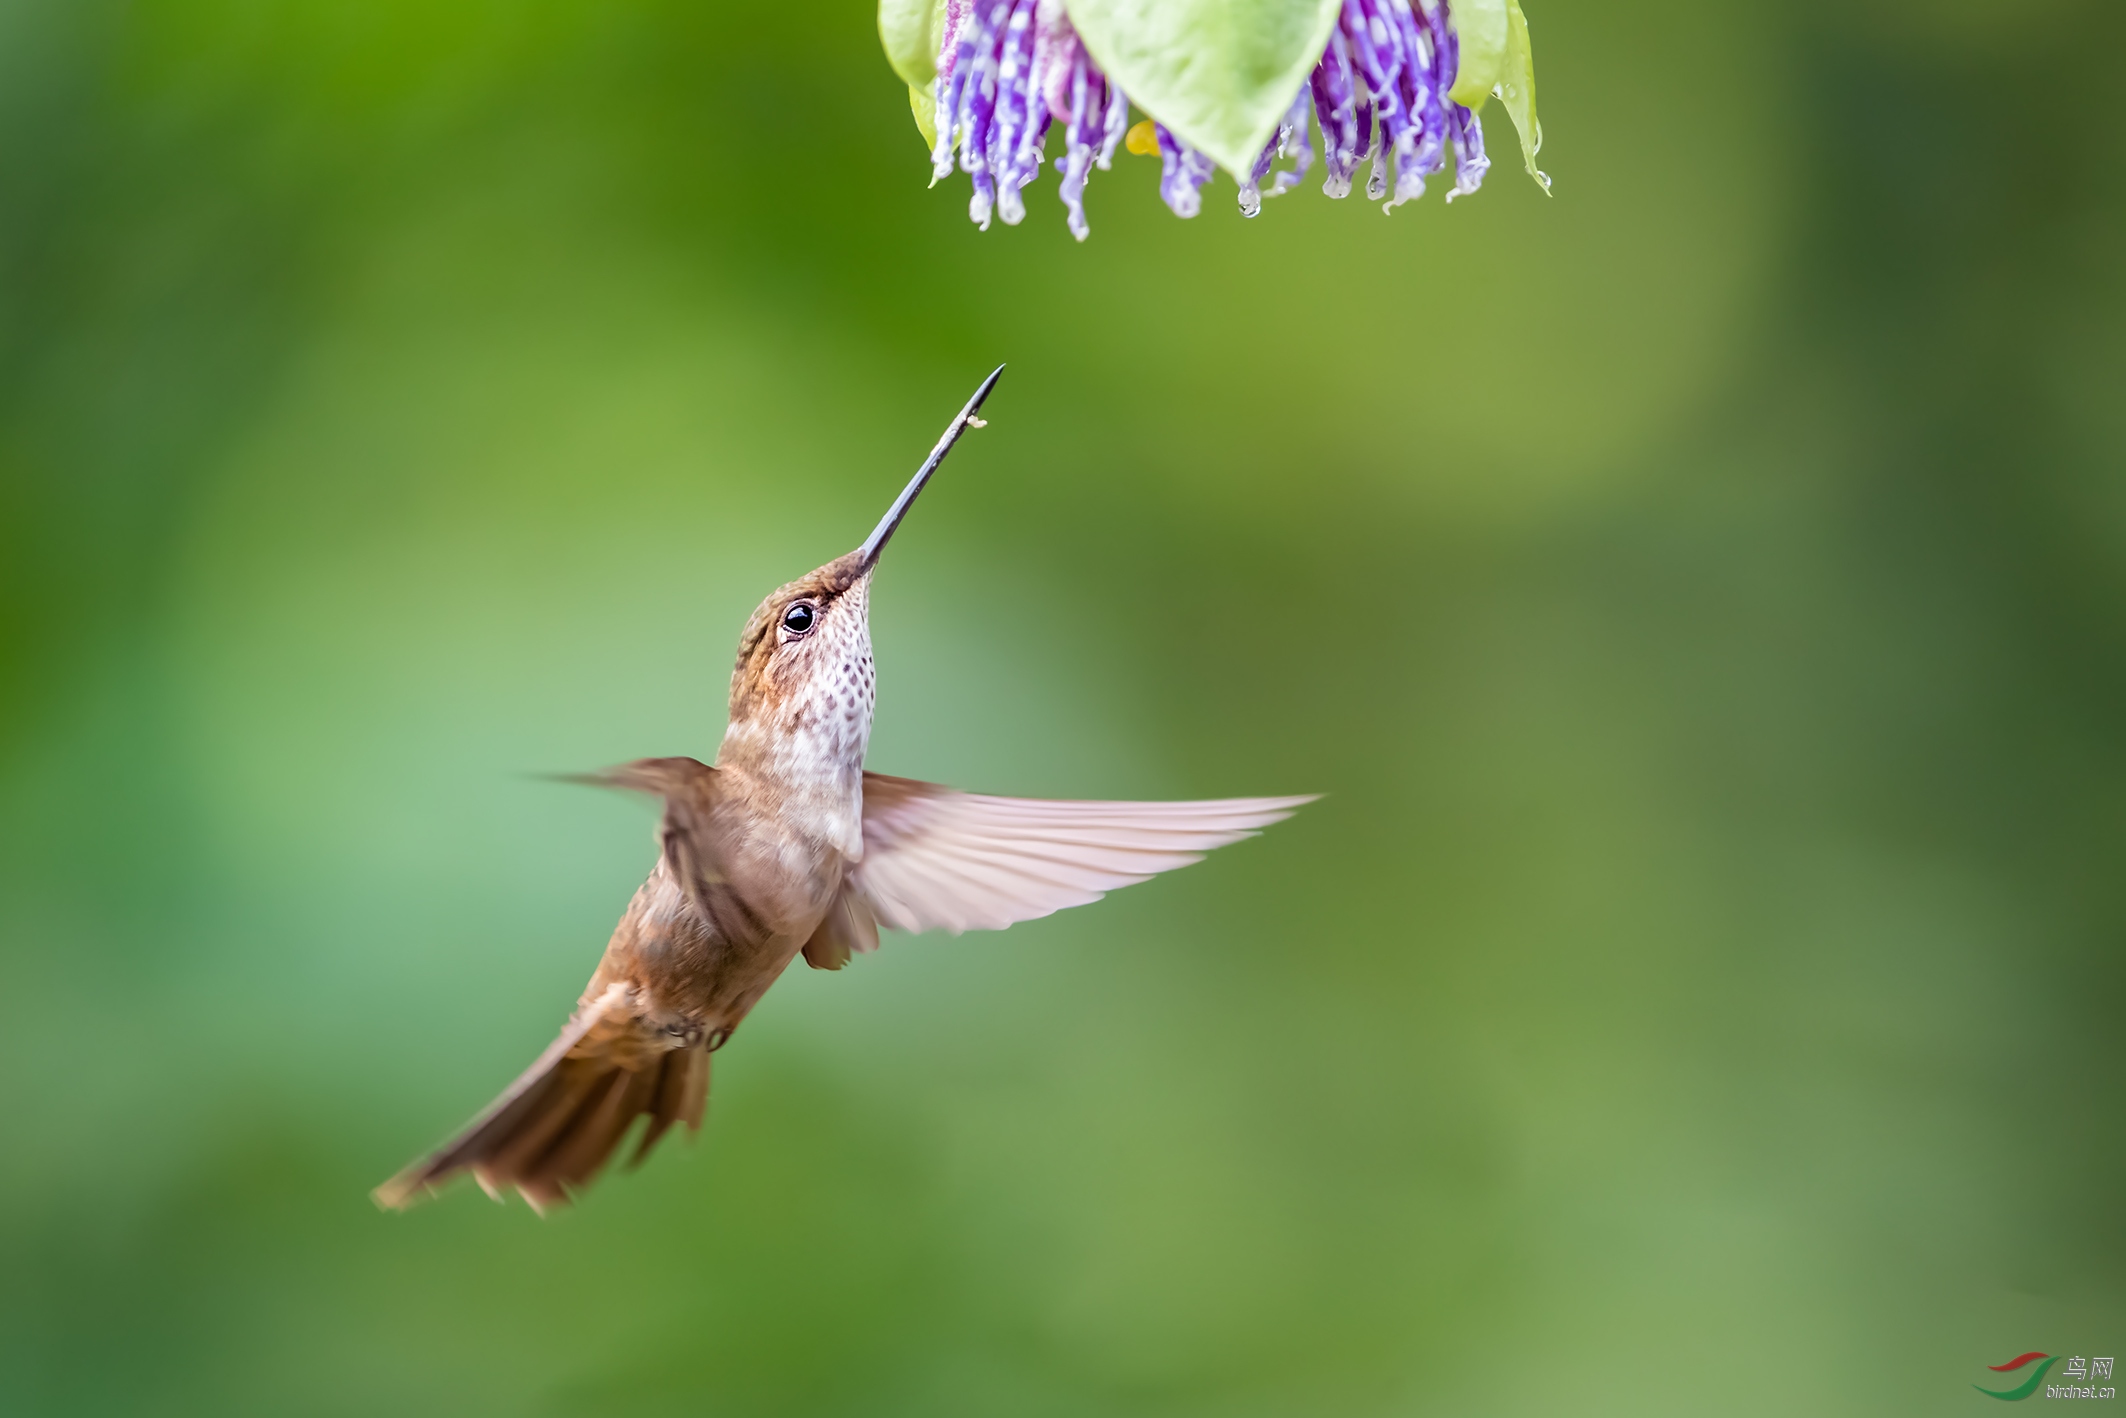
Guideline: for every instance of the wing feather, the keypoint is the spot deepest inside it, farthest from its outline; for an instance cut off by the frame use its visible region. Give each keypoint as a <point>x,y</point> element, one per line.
<point>936,858</point>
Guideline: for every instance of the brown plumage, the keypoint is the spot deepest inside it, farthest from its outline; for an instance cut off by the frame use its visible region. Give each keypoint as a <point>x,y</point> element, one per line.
<point>785,846</point>
<point>553,1129</point>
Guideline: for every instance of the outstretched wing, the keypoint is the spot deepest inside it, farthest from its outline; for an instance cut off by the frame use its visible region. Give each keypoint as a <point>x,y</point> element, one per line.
<point>692,838</point>
<point>936,858</point>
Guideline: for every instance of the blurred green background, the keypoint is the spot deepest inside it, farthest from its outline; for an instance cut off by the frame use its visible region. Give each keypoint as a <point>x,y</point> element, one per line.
<point>1702,598</point>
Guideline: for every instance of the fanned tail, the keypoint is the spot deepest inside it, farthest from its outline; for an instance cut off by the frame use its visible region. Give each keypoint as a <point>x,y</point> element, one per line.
<point>553,1129</point>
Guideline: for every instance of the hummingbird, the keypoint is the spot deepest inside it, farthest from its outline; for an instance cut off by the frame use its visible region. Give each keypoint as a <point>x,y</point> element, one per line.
<point>787,846</point>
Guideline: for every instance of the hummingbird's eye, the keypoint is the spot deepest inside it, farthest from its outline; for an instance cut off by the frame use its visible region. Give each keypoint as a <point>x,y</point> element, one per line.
<point>798,619</point>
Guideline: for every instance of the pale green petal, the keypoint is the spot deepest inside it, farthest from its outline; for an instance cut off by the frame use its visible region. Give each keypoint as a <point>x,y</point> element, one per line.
<point>923,103</point>
<point>910,31</point>
<point>1517,88</point>
<point>1480,27</point>
<point>1219,73</point>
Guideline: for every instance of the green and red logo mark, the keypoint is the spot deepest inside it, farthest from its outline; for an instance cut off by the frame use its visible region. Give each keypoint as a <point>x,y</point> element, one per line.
<point>2077,1380</point>
<point>2027,1386</point>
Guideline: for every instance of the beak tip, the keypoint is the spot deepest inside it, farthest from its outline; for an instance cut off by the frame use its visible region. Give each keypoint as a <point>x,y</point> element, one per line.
<point>881,534</point>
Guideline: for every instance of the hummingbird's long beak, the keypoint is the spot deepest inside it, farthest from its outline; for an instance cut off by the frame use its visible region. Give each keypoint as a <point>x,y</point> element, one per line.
<point>883,532</point>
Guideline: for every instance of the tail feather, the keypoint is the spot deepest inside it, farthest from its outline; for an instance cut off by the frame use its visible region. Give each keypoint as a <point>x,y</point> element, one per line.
<point>559,1100</point>
<point>682,1089</point>
<point>552,1131</point>
<point>580,1149</point>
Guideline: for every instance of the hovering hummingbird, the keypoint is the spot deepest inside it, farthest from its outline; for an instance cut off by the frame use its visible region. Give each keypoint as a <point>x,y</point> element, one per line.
<point>788,846</point>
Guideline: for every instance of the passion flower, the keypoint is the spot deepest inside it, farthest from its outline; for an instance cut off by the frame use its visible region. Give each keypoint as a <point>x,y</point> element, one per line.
<point>1396,83</point>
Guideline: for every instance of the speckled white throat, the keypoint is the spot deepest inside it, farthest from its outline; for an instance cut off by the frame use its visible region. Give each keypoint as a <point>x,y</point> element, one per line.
<point>808,741</point>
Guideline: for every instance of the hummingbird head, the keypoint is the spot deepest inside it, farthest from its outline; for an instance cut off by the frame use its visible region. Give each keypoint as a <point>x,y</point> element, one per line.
<point>804,662</point>
<point>803,689</point>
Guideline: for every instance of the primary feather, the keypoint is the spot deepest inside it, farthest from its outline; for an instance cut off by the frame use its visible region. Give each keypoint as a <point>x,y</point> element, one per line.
<point>936,858</point>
